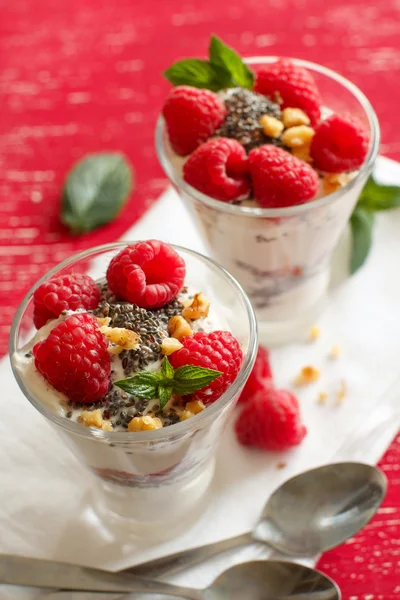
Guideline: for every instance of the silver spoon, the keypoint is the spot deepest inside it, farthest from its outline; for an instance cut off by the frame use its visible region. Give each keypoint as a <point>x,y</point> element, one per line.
<point>258,580</point>
<point>308,514</point>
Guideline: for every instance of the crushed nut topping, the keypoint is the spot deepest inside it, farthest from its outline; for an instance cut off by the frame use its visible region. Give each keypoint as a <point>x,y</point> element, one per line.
<point>302,153</point>
<point>124,339</point>
<point>307,375</point>
<point>272,127</point>
<point>179,328</point>
<point>315,332</point>
<point>103,320</point>
<point>340,396</point>
<point>195,406</point>
<point>301,135</point>
<point>198,309</point>
<point>170,345</point>
<point>335,352</point>
<point>146,423</point>
<point>322,396</point>
<point>334,181</point>
<point>94,418</point>
<point>294,116</point>
<point>186,414</point>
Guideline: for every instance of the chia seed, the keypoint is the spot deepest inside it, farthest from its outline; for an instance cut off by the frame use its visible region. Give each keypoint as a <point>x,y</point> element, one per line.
<point>245,108</point>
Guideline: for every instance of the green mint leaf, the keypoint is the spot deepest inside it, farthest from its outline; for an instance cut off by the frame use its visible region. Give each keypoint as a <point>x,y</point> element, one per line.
<point>164,393</point>
<point>376,197</point>
<point>197,73</point>
<point>189,379</point>
<point>167,370</point>
<point>95,190</point>
<point>362,222</point>
<point>143,385</point>
<point>225,58</point>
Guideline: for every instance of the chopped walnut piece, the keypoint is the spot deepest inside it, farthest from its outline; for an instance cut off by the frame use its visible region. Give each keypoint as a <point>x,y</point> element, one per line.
<point>322,396</point>
<point>179,328</point>
<point>94,418</point>
<point>302,153</point>
<point>307,375</point>
<point>294,116</point>
<point>146,423</point>
<point>186,414</point>
<point>170,345</point>
<point>334,181</point>
<point>272,127</point>
<point>340,396</point>
<point>298,136</point>
<point>124,339</point>
<point>281,465</point>
<point>198,309</point>
<point>314,333</point>
<point>335,351</point>
<point>195,406</point>
<point>103,320</point>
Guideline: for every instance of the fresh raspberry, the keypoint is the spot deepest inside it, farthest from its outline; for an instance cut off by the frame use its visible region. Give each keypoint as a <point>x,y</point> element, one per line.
<point>149,274</point>
<point>218,350</point>
<point>192,116</point>
<point>67,292</point>
<point>74,359</point>
<point>340,144</point>
<point>295,85</point>
<point>270,420</point>
<point>219,168</point>
<point>260,375</point>
<point>280,179</point>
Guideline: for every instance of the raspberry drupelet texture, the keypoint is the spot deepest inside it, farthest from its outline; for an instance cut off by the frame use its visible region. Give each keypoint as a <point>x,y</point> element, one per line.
<point>67,292</point>
<point>218,350</point>
<point>340,144</point>
<point>74,359</point>
<point>295,86</point>
<point>260,375</point>
<point>192,115</point>
<point>280,179</point>
<point>149,274</point>
<point>270,420</point>
<point>219,168</point>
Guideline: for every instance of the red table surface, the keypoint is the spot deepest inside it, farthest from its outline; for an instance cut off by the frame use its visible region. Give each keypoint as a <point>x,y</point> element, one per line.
<point>84,75</point>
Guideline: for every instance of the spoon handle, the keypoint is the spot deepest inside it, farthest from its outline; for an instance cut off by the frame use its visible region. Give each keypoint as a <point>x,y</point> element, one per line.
<point>166,565</point>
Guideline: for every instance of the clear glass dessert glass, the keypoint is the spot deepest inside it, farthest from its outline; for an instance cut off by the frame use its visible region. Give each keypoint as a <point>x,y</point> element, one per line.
<point>150,482</point>
<point>281,256</point>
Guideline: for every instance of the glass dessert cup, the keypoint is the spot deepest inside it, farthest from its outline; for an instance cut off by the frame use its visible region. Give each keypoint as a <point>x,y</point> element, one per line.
<point>282,256</point>
<point>150,482</point>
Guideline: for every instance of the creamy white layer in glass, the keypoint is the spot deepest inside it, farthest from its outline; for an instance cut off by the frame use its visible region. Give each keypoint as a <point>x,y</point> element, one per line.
<point>281,256</point>
<point>140,473</point>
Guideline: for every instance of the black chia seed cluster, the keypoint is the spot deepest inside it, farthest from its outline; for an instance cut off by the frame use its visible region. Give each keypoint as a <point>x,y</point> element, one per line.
<point>245,108</point>
<point>118,406</point>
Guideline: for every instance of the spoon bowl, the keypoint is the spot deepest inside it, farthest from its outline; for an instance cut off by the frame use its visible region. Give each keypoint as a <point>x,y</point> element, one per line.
<point>321,508</point>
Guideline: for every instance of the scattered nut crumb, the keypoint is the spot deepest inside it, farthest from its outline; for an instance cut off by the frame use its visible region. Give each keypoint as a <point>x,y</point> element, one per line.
<point>294,116</point>
<point>146,423</point>
<point>335,352</point>
<point>340,396</point>
<point>103,320</point>
<point>314,333</point>
<point>281,465</point>
<point>195,406</point>
<point>301,135</point>
<point>170,345</point>
<point>94,418</point>
<point>334,181</point>
<point>322,396</point>
<point>198,308</point>
<point>271,126</point>
<point>124,339</point>
<point>307,375</point>
<point>302,153</point>
<point>186,414</point>
<point>179,328</point>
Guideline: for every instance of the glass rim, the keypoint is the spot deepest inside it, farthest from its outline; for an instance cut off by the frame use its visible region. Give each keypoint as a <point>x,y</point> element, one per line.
<point>246,211</point>
<point>141,436</point>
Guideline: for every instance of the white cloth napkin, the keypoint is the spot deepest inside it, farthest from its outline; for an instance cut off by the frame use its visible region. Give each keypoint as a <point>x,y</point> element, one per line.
<point>44,490</point>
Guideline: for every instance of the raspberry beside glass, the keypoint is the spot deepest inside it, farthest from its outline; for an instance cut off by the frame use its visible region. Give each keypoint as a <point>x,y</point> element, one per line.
<point>145,447</point>
<point>307,163</point>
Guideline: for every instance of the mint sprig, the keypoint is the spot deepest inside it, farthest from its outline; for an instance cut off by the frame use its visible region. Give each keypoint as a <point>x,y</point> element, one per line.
<point>224,69</point>
<point>161,384</point>
<point>374,198</point>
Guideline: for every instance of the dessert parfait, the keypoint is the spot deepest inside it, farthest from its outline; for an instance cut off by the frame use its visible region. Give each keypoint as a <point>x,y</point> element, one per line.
<point>129,363</point>
<point>270,155</point>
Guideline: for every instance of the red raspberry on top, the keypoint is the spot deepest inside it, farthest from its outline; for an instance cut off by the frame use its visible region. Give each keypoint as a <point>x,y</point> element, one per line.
<point>149,274</point>
<point>260,375</point>
<point>74,359</point>
<point>270,420</point>
<point>192,115</point>
<point>67,292</point>
<point>219,168</point>
<point>280,179</point>
<point>218,350</point>
<point>340,144</point>
<point>295,85</point>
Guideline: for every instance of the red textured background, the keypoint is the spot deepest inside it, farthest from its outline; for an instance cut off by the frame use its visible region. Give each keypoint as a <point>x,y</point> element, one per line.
<point>84,75</point>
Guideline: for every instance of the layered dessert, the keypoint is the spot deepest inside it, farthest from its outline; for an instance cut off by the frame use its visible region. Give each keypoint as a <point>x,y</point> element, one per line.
<point>136,351</point>
<point>269,168</point>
